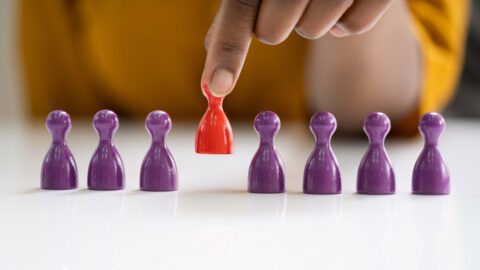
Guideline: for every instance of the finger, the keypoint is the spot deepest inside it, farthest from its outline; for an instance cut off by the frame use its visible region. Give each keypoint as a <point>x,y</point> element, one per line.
<point>228,44</point>
<point>320,16</point>
<point>211,30</point>
<point>277,18</point>
<point>360,17</point>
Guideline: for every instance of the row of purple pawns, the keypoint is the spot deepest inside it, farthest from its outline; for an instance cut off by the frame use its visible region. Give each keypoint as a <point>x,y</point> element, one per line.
<point>106,170</point>
<point>266,173</point>
<point>375,173</point>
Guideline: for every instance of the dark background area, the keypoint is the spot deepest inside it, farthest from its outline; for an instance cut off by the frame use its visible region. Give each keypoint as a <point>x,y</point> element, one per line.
<point>467,100</point>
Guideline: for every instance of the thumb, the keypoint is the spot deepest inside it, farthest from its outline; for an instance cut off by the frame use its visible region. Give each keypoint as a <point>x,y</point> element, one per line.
<point>227,45</point>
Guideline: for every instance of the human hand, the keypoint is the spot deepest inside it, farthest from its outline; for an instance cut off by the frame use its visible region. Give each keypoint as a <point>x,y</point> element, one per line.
<point>271,21</point>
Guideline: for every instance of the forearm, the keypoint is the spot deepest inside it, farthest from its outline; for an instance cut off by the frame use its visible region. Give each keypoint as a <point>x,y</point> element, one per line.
<point>376,71</point>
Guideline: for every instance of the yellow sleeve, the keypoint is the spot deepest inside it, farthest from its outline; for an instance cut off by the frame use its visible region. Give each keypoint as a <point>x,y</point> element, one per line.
<point>440,28</point>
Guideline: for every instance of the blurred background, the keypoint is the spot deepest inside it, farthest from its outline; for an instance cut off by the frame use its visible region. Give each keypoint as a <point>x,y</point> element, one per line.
<point>12,104</point>
<point>15,105</point>
<point>466,102</point>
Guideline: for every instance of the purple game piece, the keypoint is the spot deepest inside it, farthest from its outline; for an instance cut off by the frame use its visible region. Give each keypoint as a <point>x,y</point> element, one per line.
<point>375,173</point>
<point>105,171</point>
<point>430,175</point>
<point>159,171</point>
<point>59,170</point>
<point>266,173</point>
<point>322,175</point>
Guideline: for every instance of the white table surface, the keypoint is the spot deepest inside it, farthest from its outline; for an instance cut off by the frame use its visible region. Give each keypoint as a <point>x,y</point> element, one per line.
<point>213,223</point>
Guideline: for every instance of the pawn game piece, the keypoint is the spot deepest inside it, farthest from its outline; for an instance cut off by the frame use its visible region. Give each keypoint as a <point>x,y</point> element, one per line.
<point>266,173</point>
<point>430,174</point>
<point>375,173</point>
<point>59,170</point>
<point>322,175</point>
<point>159,171</point>
<point>214,134</point>
<point>105,171</point>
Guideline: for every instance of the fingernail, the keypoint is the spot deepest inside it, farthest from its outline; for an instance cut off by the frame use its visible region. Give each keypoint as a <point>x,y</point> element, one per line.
<point>221,82</point>
<point>338,32</point>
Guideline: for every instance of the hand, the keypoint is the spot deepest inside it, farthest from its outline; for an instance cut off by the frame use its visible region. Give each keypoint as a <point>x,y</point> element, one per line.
<point>271,21</point>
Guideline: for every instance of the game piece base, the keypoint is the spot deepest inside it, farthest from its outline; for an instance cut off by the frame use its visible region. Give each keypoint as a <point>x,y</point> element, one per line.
<point>265,192</point>
<point>321,193</point>
<point>429,193</point>
<point>158,189</point>
<point>105,189</point>
<point>375,193</point>
<point>57,188</point>
<point>213,153</point>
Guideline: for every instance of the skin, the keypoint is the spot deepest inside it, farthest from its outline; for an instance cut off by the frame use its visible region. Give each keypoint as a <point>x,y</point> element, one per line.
<point>363,55</point>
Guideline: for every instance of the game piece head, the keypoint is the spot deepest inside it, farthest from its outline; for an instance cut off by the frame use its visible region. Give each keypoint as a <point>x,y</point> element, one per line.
<point>376,126</point>
<point>158,124</point>
<point>106,124</point>
<point>431,126</point>
<point>212,100</point>
<point>322,125</point>
<point>267,125</point>
<point>58,124</point>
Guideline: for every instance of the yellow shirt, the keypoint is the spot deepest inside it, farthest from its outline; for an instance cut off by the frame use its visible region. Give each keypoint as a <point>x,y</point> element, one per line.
<point>137,56</point>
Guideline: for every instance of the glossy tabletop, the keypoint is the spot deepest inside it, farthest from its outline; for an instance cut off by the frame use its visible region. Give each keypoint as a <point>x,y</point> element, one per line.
<point>211,222</point>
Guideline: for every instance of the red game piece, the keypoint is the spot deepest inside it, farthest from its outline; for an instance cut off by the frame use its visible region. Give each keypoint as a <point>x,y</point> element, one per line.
<point>214,134</point>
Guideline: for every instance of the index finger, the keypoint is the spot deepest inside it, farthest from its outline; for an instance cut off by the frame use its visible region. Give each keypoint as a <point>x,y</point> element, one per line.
<point>228,44</point>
